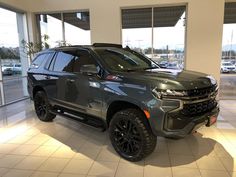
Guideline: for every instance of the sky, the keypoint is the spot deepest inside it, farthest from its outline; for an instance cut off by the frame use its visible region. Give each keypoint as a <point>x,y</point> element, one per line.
<point>8,29</point>
<point>171,36</point>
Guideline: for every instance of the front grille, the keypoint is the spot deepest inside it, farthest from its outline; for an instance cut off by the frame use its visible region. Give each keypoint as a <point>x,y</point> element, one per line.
<point>195,109</point>
<point>198,103</point>
<point>191,111</point>
<point>201,92</point>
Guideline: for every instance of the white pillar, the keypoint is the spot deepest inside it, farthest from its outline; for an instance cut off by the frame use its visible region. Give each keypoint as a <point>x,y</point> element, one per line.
<point>204,36</point>
<point>105,24</point>
<point>22,35</point>
<point>1,86</point>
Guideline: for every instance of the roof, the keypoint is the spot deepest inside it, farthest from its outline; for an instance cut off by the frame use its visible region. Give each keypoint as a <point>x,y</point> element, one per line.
<point>95,45</point>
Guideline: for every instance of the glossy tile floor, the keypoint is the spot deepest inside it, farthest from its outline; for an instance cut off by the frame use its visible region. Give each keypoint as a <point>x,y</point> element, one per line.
<point>66,148</point>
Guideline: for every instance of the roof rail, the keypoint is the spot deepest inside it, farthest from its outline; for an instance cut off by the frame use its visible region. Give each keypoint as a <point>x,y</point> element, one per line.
<point>107,45</point>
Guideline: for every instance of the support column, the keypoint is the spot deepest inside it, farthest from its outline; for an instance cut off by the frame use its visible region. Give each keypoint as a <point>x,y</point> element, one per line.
<point>22,35</point>
<point>105,24</point>
<point>33,28</point>
<point>1,86</point>
<point>204,36</point>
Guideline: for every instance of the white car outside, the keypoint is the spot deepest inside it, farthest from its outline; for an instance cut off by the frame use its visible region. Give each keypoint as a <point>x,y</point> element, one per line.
<point>9,69</point>
<point>227,67</point>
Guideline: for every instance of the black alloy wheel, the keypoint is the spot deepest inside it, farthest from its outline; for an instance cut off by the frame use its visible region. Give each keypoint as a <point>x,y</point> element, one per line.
<point>42,107</point>
<point>131,135</point>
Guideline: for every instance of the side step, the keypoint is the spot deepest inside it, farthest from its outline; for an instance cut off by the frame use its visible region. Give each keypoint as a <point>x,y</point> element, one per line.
<point>97,123</point>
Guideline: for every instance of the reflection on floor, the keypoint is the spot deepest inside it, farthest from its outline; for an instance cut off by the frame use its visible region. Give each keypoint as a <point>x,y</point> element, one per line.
<point>66,148</point>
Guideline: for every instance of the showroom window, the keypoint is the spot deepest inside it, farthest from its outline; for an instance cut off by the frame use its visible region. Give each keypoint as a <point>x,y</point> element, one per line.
<point>64,28</point>
<point>13,60</point>
<point>228,61</point>
<point>51,25</point>
<point>157,32</point>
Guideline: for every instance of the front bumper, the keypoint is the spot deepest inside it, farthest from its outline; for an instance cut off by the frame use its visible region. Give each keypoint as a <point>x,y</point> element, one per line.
<point>167,120</point>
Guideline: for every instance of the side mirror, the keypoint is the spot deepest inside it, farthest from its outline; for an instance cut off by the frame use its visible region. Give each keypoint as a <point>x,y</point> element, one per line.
<point>89,69</point>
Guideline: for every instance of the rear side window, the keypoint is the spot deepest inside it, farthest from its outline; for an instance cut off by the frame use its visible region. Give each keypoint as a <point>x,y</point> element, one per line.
<point>40,60</point>
<point>64,62</point>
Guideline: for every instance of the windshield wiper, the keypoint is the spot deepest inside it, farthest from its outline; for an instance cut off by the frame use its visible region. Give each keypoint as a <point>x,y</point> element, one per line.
<point>153,67</point>
<point>129,70</point>
<point>138,69</point>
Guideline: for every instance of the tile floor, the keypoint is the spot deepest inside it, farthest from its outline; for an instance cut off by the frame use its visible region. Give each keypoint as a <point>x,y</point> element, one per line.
<point>66,148</point>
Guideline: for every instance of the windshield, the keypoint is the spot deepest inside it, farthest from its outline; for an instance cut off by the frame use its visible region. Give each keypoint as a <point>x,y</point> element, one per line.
<point>118,59</point>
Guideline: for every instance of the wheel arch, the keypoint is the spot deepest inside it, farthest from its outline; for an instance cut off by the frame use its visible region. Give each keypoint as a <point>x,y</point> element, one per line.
<point>119,105</point>
<point>36,89</point>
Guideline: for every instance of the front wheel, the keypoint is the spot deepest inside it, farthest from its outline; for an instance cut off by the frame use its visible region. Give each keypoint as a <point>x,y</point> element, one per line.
<point>131,135</point>
<point>42,107</point>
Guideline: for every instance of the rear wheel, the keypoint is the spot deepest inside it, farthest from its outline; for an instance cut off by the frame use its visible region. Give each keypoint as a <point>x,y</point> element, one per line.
<point>42,107</point>
<point>131,135</point>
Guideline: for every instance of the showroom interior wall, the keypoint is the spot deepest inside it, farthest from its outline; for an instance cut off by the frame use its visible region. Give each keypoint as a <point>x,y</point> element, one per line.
<point>203,32</point>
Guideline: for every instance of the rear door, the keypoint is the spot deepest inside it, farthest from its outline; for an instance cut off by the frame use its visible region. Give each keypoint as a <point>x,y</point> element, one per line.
<point>37,76</point>
<point>59,70</point>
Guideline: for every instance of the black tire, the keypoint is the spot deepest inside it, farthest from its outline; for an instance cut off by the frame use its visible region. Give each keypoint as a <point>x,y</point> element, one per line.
<point>131,135</point>
<point>42,107</point>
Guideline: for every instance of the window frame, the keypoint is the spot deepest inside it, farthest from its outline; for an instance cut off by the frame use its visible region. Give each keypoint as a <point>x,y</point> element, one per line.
<point>49,60</point>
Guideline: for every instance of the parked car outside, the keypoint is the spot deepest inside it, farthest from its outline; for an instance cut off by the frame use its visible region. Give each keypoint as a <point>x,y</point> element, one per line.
<point>17,68</point>
<point>7,69</point>
<point>173,65</point>
<point>163,64</point>
<point>227,67</point>
<point>10,69</point>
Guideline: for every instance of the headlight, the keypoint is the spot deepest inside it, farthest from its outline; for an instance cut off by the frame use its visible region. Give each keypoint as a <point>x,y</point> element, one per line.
<point>168,93</point>
<point>213,80</point>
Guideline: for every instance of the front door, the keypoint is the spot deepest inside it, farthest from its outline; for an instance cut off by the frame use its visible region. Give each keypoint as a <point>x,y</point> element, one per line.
<point>78,90</point>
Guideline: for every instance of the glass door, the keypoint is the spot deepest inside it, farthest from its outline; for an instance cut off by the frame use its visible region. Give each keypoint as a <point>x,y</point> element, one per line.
<point>14,62</point>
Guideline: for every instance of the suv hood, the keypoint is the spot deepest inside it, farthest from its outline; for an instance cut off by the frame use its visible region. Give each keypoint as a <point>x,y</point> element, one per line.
<point>172,79</point>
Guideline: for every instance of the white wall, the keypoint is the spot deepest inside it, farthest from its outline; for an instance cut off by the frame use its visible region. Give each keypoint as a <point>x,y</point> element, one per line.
<point>204,24</point>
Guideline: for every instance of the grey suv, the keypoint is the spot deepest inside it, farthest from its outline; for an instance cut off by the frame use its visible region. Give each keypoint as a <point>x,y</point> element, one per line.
<point>115,88</point>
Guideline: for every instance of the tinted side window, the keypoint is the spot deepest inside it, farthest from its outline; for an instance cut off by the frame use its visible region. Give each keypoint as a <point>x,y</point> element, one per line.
<point>38,61</point>
<point>82,57</point>
<point>64,62</point>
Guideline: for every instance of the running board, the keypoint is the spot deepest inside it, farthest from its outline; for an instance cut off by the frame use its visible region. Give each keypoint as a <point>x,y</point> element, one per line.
<point>88,120</point>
